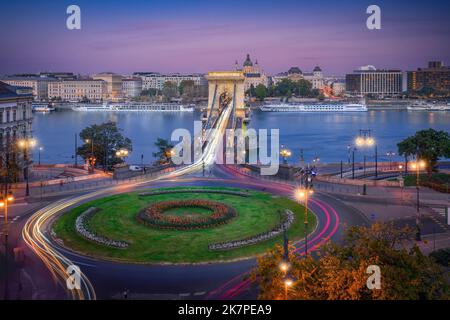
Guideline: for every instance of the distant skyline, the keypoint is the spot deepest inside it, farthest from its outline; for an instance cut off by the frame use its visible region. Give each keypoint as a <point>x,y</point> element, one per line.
<point>200,36</point>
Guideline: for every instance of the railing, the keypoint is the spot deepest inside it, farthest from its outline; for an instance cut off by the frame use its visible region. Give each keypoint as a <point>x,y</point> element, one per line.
<point>45,189</point>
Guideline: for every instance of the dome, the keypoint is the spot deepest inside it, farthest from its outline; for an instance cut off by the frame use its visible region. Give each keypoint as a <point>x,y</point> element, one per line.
<point>317,69</point>
<point>294,70</point>
<point>248,62</point>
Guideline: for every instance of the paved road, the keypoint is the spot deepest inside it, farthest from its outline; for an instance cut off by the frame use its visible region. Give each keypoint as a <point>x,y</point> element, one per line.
<point>211,281</point>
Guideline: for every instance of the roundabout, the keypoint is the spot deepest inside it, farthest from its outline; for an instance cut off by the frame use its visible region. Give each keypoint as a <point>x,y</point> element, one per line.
<point>182,225</point>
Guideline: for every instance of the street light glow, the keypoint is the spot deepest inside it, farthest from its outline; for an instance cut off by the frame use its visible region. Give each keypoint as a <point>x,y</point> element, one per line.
<point>288,282</point>
<point>359,141</point>
<point>284,266</point>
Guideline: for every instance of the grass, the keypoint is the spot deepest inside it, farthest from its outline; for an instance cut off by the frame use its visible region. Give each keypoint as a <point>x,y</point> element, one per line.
<point>117,220</point>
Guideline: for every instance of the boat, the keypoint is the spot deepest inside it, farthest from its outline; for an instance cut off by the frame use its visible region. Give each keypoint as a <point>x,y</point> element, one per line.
<point>41,107</point>
<point>429,106</point>
<point>134,107</point>
<point>285,107</point>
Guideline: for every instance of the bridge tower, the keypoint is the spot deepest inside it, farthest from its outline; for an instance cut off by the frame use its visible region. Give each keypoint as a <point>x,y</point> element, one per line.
<point>225,87</point>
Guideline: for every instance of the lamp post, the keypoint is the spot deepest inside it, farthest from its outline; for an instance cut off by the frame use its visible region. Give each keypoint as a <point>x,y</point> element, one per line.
<point>417,165</point>
<point>26,144</point>
<point>122,153</point>
<point>39,155</point>
<point>349,149</point>
<point>303,194</point>
<point>4,204</point>
<point>390,154</point>
<point>91,158</point>
<point>285,266</point>
<point>285,153</point>
<point>363,140</point>
<point>353,162</point>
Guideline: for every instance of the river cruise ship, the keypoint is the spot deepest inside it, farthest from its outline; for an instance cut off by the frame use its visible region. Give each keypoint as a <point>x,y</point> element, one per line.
<point>284,107</point>
<point>133,107</point>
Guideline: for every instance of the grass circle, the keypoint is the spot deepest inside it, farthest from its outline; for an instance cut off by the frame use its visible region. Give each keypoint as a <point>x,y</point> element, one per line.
<point>257,213</point>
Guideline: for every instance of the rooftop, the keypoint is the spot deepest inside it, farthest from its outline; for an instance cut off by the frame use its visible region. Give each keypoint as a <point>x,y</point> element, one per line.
<point>8,92</point>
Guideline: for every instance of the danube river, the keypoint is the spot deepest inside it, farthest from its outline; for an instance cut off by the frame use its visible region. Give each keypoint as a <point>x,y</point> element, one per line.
<point>325,136</point>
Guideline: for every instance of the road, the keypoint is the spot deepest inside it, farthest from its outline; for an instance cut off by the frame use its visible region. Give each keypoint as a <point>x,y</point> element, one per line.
<point>108,280</point>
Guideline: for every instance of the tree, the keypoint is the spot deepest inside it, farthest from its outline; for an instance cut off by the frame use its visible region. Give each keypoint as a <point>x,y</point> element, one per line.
<point>339,270</point>
<point>260,92</point>
<point>169,90</point>
<point>428,145</point>
<point>150,92</point>
<point>187,90</point>
<point>251,91</point>
<point>164,151</point>
<point>11,163</point>
<point>104,140</point>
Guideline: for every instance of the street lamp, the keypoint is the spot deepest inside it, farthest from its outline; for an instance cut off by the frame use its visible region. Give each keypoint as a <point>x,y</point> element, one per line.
<point>288,282</point>
<point>285,153</point>
<point>9,198</point>
<point>122,153</point>
<point>39,155</point>
<point>303,194</point>
<point>25,144</point>
<point>417,165</point>
<point>390,154</point>
<point>91,159</point>
<point>365,139</point>
<point>169,154</point>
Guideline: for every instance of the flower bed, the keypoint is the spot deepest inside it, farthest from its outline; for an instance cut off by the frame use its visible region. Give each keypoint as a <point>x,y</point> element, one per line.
<point>284,225</point>
<point>155,216</point>
<point>81,226</point>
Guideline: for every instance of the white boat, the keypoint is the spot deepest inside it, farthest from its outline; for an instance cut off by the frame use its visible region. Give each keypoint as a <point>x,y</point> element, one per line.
<point>41,107</point>
<point>134,107</point>
<point>429,106</point>
<point>284,107</point>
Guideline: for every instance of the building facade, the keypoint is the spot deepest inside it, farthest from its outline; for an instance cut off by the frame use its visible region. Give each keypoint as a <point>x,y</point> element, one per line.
<point>338,88</point>
<point>15,124</point>
<point>113,84</point>
<point>436,77</point>
<point>295,74</point>
<point>253,73</point>
<point>153,80</point>
<point>39,85</point>
<point>369,80</point>
<point>131,87</point>
<point>78,90</point>
<point>315,77</point>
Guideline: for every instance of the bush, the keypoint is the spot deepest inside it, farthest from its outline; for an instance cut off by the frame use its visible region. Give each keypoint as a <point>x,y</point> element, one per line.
<point>441,256</point>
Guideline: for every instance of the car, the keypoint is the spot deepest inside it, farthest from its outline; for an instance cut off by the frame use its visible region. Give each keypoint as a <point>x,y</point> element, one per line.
<point>135,168</point>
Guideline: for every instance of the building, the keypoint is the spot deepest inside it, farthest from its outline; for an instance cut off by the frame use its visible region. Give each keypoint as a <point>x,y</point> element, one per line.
<point>315,77</point>
<point>295,74</point>
<point>59,75</point>
<point>131,87</point>
<point>78,90</point>
<point>369,80</point>
<point>15,124</point>
<point>38,84</point>
<point>253,73</point>
<point>113,84</point>
<point>338,88</point>
<point>154,80</point>
<point>436,77</point>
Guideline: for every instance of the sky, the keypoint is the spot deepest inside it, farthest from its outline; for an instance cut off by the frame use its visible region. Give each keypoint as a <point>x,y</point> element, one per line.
<point>205,35</point>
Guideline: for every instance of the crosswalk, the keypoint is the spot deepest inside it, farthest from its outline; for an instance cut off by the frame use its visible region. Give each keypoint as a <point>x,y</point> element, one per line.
<point>440,217</point>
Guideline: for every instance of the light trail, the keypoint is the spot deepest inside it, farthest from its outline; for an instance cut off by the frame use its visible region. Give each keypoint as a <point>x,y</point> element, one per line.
<point>34,231</point>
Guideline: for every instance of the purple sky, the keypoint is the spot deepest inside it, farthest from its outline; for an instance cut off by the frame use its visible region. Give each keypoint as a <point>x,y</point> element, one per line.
<point>200,36</point>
